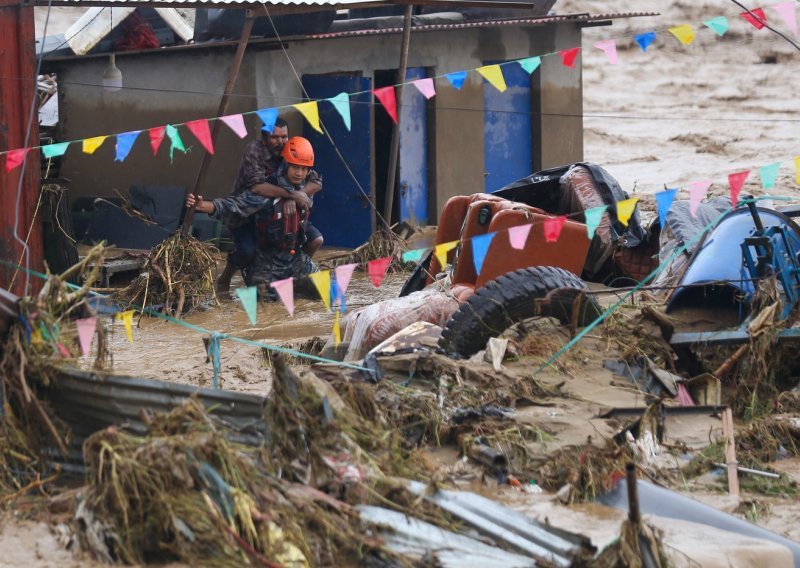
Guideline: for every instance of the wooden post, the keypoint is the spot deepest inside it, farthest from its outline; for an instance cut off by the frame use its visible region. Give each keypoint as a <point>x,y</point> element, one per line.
<point>221,111</point>
<point>730,452</point>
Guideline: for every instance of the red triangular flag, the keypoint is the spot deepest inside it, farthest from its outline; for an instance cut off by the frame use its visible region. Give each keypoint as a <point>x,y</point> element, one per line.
<point>386,96</point>
<point>14,158</point>
<point>736,181</point>
<point>156,137</point>
<point>756,17</point>
<point>201,131</point>
<point>568,56</point>
<point>377,268</point>
<point>552,228</point>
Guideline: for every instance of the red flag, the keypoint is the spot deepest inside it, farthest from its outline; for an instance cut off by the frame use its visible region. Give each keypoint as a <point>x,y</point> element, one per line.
<point>377,268</point>
<point>14,158</point>
<point>201,131</point>
<point>568,56</point>
<point>756,17</point>
<point>552,228</point>
<point>386,96</point>
<point>736,181</point>
<point>156,136</point>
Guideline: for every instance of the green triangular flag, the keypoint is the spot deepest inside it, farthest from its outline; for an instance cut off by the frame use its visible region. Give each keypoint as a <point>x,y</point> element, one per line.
<point>530,64</point>
<point>249,298</point>
<point>718,25</point>
<point>54,150</point>
<point>175,139</point>
<point>413,255</point>
<point>593,218</point>
<point>768,175</point>
<point>341,103</point>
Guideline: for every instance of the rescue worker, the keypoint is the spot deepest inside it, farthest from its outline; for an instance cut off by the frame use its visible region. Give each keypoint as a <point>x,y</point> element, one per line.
<point>281,229</point>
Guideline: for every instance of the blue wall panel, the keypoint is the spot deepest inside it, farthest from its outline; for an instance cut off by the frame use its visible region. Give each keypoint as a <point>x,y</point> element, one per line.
<point>413,162</point>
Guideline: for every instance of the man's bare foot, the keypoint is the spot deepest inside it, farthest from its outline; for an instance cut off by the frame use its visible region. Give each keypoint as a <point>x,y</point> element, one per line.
<point>222,285</point>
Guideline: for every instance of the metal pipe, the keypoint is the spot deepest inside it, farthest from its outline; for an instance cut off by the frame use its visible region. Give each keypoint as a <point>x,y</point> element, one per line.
<point>633,495</point>
<point>395,148</point>
<point>221,111</point>
<point>751,471</point>
<point>488,456</point>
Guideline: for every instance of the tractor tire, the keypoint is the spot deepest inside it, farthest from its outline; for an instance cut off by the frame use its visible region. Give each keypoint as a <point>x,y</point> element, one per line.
<point>510,299</point>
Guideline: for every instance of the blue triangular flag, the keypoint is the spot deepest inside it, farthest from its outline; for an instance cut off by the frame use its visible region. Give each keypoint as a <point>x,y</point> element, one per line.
<point>456,78</point>
<point>268,116</point>
<point>249,298</point>
<point>718,25</point>
<point>530,64</point>
<point>124,144</point>
<point>341,103</point>
<point>338,296</point>
<point>480,246</point>
<point>664,200</point>
<point>645,40</point>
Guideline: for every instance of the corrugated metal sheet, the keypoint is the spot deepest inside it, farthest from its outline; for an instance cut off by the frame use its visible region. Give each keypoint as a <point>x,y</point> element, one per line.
<point>216,3</point>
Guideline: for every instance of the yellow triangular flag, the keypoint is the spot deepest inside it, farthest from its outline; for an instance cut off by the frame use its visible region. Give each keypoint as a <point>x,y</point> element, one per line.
<point>36,336</point>
<point>322,281</point>
<point>797,169</point>
<point>337,332</point>
<point>494,75</point>
<point>311,112</point>
<point>92,144</point>
<point>441,252</point>
<point>127,319</point>
<point>625,209</point>
<point>684,33</point>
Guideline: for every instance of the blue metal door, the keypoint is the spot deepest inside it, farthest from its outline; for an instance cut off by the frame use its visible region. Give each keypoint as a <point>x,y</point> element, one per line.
<point>507,148</point>
<point>342,211</point>
<point>413,162</point>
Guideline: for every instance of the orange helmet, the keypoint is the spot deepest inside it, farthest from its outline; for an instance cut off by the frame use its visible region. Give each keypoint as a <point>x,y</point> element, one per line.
<point>298,151</point>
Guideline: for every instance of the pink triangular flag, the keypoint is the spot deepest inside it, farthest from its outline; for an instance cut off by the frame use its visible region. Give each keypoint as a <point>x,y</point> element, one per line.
<point>518,235</point>
<point>156,137</point>
<point>552,228</point>
<point>609,47</point>
<point>425,86</point>
<point>86,329</point>
<point>343,274</point>
<point>285,290</point>
<point>387,98</point>
<point>201,131</point>
<point>788,13</point>
<point>736,182</point>
<point>64,351</point>
<point>756,17</point>
<point>236,123</point>
<point>14,158</point>
<point>568,56</point>
<point>377,268</point>
<point>697,191</point>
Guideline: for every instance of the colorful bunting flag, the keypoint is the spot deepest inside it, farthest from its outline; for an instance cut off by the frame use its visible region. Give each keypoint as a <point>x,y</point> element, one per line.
<point>322,282</point>
<point>609,47</point>
<point>249,298</point>
<point>92,144</point>
<point>684,33</point>
<point>645,40</point>
<point>377,268</point>
<point>664,201</point>
<point>718,25</point>
<point>480,246</point>
<point>756,17</point>
<point>55,150</point>
<point>736,182</point>
<point>797,170</point>
<point>425,86</point>
<point>310,111</point>
<point>457,78</point>
<point>518,235</point>
<point>441,251</point>
<point>768,175</point>
<point>552,228</point>
<point>285,290</point>
<point>175,140</point>
<point>236,123</point>
<point>493,74</point>
<point>213,353</point>
<point>127,319</point>
<point>625,210</point>
<point>124,144</point>
<point>337,296</point>
<point>414,255</point>
<point>14,158</point>
<point>203,134</point>
<point>788,13</point>
<point>86,328</point>
<point>63,350</point>
<point>268,116</point>
<point>530,64</point>
<point>387,98</point>
<point>593,218</point>
<point>156,137</point>
<point>343,275</point>
<point>697,191</point>
<point>568,56</point>
<point>341,103</point>
<point>337,330</point>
